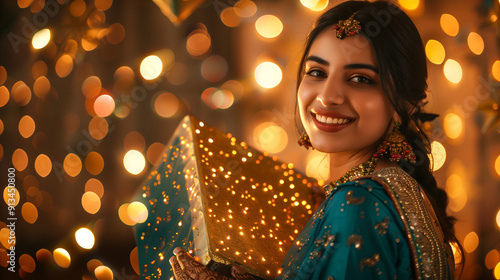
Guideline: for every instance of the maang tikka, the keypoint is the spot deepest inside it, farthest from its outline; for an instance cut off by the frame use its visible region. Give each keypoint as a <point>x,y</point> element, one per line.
<point>347,27</point>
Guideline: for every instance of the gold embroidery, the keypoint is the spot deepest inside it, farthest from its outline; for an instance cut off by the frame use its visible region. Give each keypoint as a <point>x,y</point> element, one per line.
<point>428,251</point>
<point>382,226</point>
<point>355,239</point>
<point>351,200</point>
<point>373,260</point>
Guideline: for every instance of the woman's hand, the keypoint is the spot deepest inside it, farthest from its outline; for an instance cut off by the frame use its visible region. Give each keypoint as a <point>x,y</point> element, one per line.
<point>186,268</point>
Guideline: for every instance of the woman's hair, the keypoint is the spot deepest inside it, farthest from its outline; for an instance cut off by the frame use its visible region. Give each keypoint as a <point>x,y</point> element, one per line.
<point>402,68</point>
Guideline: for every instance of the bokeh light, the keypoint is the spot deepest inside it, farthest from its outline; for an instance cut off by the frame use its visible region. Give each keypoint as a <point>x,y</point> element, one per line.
<point>27,263</point>
<point>471,241</point>
<point>409,4</point>
<point>496,271</point>
<point>20,159</point>
<point>91,202</point>
<point>77,8</point>
<point>476,43</point>
<point>497,165</point>
<point>4,96</point>
<point>453,125</point>
<point>134,141</point>
<point>104,105</point>
<point>21,93</point>
<point>103,273</point>
<point>178,74</point>
<point>270,137</point>
<point>26,126</point>
<point>456,192</point>
<point>495,70</point>
<point>449,24</point>
<point>245,8</point>
<point>154,152</point>
<point>64,65</point>
<point>318,166</point>
<point>491,259</point>
<point>4,238</point>
<point>437,156</point>
<point>151,67</point>
<point>85,238</point>
<point>93,264</point>
<point>123,215</point>
<point>43,255</point>
<point>11,196</point>
<point>94,163</point>
<point>268,74</point>
<point>315,5</point>
<point>91,87</point>
<point>453,71</point>
<point>38,69</point>
<point>116,33</point>
<point>229,17</point>
<point>235,87</point>
<point>43,165</point>
<point>98,128</point>
<point>72,165</point>
<point>198,42</point>
<point>214,68</point>
<point>269,26</point>
<point>137,212</point>
<point>29,212</point>
<point>62,257</point>
<point>41,39</point>
<point>134,162</point>
<point>217,99</point>
<point>103,5</point>
<point>435,51</point>
<point>134,259</point>
<point>95,186</point>
<point>166,104</point>
<point>498,218</point>
<point>41,87</point>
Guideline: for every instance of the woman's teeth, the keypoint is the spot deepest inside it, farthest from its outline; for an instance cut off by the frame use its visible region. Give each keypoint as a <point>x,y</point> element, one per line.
<point>329,120</point>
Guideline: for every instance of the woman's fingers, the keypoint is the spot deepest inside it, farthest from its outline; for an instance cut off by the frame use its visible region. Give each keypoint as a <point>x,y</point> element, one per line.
<point>178,272</point>
<point>190,266</point>
<point>239,273</point>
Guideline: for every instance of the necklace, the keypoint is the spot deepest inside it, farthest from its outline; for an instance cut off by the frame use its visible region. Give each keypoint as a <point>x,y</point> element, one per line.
<point>366,168</point>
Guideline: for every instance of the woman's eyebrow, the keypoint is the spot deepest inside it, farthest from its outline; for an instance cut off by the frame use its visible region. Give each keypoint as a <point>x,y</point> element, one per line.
<point>318,60</point>
<point>361,66</point>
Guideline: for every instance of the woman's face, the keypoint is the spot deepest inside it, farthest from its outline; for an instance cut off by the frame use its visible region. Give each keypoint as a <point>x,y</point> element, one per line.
<point>342,105</point>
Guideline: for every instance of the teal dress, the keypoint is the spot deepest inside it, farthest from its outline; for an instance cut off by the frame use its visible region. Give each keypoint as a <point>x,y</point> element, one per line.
<point>376,227</point>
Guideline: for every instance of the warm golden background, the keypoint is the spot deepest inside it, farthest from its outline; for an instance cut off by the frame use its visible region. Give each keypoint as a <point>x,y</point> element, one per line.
<point>90,92</point>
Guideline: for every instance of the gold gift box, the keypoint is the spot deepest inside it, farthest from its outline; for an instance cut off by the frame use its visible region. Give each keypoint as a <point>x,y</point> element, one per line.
<point>223,201</point>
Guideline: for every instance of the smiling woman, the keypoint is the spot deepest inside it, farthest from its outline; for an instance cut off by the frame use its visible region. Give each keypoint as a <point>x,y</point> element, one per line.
<point>362,83</point>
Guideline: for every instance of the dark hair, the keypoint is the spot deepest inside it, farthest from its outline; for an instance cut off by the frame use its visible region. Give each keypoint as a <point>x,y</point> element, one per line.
<point>402,68</point>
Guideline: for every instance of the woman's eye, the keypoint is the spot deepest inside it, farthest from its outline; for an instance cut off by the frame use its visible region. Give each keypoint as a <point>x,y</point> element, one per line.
<point>316,73</point>
<point>361,79</point>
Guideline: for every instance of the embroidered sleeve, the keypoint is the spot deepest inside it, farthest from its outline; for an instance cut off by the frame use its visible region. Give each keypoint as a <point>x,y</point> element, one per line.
<point>358,235</point>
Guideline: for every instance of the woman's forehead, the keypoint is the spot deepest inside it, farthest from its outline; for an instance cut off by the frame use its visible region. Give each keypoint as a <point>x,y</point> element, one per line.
<point>352,49</point>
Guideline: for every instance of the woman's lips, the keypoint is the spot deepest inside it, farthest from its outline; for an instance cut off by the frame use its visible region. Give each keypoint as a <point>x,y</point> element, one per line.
<point>331,122</point>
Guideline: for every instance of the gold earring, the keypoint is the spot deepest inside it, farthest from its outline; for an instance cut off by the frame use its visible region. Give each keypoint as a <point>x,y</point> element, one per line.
<point>304,141</point>
<point>396,147</point>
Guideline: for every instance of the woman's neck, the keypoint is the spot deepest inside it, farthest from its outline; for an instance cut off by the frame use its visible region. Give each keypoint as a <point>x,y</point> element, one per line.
<point>341,163</point>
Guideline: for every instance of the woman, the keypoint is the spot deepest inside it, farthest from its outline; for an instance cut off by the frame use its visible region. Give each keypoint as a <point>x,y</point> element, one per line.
<point>361,88</point>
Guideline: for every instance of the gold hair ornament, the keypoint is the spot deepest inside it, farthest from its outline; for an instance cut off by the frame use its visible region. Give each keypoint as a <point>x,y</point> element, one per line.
<point>347,27</point>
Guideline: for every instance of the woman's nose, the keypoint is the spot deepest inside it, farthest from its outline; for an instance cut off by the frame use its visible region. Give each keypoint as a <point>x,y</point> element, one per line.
<point>330,94</point>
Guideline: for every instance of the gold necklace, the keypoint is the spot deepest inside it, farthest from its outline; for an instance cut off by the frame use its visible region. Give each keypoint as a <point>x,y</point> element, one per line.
<point>366,168</point>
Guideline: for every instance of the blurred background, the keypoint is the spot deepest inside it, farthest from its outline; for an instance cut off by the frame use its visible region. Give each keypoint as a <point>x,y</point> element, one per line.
<point>91,91</point>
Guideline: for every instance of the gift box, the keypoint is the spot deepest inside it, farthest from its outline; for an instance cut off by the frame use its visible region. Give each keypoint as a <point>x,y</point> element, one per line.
<point>222,201</point>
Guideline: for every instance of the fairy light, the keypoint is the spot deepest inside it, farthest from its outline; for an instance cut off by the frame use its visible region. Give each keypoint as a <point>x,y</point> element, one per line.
<point>268,74</point>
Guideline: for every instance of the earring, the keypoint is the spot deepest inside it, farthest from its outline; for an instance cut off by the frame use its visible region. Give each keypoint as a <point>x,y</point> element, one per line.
<point>305,141</point>
<point>396,147</point>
